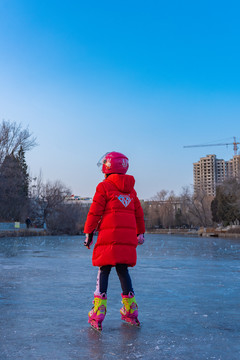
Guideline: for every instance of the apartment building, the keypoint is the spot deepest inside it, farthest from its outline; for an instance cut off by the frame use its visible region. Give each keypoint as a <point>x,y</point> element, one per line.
<point>209,171</point>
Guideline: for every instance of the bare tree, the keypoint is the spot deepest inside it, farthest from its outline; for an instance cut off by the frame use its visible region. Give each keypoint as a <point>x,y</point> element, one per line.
<point>13,137</point>
<point>161,195</point>
<point>168,210</point>
<point>49,205</point>
<point>151,214</point>
<point>166,207</point>
<point>186,199</point>
<point>67,219</point>
<point>48,197</point>
<point>197,207</point>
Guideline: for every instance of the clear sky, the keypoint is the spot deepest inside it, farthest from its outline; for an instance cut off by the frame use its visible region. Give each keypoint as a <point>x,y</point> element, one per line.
<point>142,78</point>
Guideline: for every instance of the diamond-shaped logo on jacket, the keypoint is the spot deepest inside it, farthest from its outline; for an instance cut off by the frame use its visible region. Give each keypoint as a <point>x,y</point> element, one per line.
<point>125,199</point>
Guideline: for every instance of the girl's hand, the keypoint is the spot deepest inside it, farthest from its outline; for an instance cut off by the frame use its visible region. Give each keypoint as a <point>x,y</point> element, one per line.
<point>141,239</point>
<point>89,240</point>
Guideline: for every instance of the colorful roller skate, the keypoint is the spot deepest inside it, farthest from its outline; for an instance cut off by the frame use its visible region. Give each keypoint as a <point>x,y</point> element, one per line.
<point>98,312</point>
<point>129,311</point>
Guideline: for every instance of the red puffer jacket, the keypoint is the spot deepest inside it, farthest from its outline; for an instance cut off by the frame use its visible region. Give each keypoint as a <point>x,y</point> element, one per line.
<point>117,214</point>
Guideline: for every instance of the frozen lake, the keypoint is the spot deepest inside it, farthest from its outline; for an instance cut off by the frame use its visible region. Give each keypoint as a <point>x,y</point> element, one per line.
<point>187,290</point>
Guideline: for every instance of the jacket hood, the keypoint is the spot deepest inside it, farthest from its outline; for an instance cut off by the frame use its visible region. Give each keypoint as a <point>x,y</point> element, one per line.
<point>124,183</point>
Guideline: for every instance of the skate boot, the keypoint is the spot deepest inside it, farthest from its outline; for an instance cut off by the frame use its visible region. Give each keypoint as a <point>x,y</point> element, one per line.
<point>98,312</point>
<point>129,311</point>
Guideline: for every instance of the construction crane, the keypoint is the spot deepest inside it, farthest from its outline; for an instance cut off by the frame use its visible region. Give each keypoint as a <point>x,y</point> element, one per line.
<point>234,143</point>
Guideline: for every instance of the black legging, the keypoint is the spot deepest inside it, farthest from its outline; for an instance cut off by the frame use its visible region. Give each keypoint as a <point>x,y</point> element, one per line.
<point>123,274</point>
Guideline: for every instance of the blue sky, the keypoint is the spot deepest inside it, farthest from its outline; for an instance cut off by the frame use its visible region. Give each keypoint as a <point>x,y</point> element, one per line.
<point>142,78</point>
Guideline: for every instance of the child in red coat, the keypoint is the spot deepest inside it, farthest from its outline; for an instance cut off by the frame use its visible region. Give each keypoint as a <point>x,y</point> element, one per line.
<point>117,215</point>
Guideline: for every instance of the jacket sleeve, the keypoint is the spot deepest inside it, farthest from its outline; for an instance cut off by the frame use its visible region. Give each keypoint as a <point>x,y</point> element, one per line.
<point>96,210</point>
<point>139,216</point>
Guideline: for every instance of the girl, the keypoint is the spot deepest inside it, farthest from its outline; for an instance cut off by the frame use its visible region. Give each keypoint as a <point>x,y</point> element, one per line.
<point>117,215</point>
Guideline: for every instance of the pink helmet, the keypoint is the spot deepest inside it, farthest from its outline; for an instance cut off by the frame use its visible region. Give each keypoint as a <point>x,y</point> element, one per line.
<point>114,163</point>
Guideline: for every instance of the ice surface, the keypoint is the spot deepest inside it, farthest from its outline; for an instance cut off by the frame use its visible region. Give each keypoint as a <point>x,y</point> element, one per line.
<point>187,290</point>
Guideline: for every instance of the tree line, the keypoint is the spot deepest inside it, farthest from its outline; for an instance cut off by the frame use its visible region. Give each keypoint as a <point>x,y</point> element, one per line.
<point>194,209</point>
<point>44,203</point>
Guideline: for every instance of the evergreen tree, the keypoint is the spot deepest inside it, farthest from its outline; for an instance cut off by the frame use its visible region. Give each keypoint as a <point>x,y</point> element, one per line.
<point>178,217</point>
<point>13,197</point>
<point>225,206</point>
<point>24,169</point>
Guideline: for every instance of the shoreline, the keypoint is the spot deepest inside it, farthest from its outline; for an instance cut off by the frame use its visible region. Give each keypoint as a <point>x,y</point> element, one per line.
<point>197,233</point>
<point>181,232</point>
<point>23,233</point>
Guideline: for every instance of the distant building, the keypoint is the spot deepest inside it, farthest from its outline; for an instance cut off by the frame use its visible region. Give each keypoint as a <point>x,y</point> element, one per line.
<point>209,171</point>
<point>78,199</point>
<point>176,204</point>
